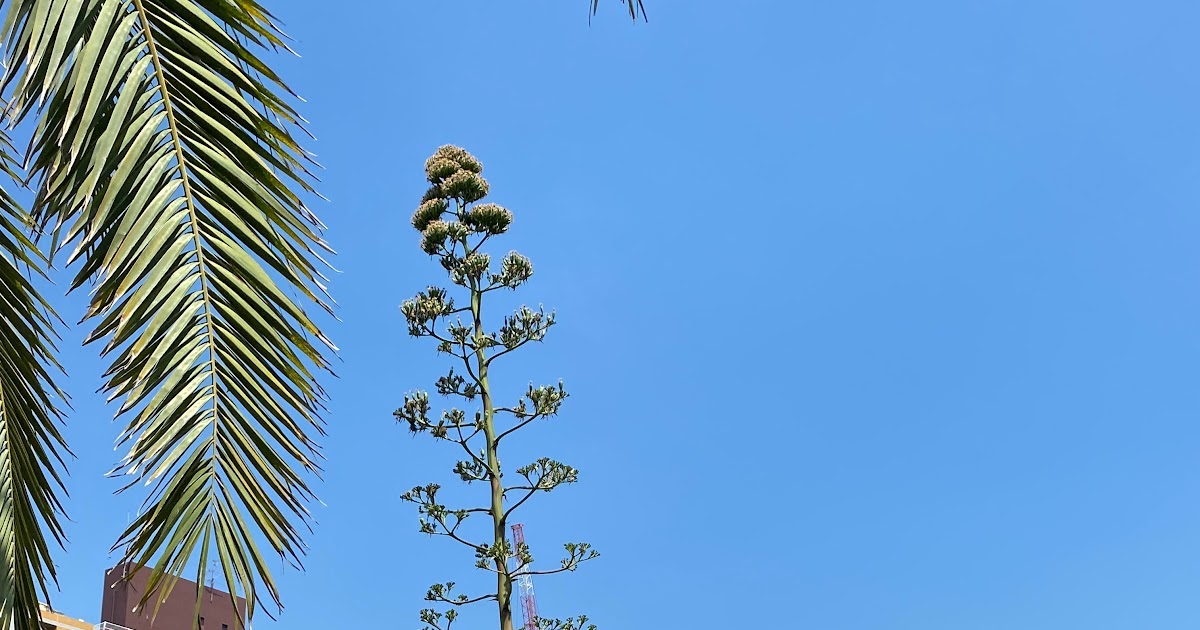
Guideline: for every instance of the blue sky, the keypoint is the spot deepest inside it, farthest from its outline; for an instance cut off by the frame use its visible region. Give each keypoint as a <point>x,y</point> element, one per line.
<point>876,315</point>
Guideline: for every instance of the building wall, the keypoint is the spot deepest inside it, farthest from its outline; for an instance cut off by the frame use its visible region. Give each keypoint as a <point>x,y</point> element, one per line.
<point>175,613</point>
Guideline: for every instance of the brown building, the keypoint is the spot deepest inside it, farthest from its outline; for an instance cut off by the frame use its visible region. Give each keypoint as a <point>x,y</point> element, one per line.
<point>122,592</point>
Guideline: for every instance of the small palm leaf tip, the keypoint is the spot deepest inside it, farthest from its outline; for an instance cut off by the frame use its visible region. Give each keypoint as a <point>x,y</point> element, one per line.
<point>165,160</point>
<point>31,446</point>
<point>635,7</point>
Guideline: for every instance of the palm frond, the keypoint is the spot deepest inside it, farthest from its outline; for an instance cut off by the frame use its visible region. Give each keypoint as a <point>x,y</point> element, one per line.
<point>167,168</point>
<point>635,7</point>
<point>31,446</point>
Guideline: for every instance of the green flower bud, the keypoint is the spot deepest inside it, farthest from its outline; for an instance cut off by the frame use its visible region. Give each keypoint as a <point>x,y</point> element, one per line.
<point>459,156</point>
<point>427,306</point>
<point>434,236</point>
<point>439,168</point>
<point>457,231</point>
<point>489,218</point>
<point>434,192</point>
<point>427,213</point>
<point>515,269</point>
<point>473,267</point>
<point>465,185</point>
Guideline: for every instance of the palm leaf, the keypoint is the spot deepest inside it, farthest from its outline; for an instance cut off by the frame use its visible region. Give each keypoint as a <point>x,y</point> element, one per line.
<point>30,443</point>
<point>167,169</point>
<point>635,7</point>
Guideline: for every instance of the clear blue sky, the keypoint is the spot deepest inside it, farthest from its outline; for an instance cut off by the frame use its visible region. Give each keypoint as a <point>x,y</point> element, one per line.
<point>877,315</point>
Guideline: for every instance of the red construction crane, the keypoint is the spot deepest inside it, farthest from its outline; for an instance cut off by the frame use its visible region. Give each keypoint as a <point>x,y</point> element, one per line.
<point>525,583</point>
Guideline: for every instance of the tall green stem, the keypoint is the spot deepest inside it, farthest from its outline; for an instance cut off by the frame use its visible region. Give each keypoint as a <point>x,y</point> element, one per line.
<point>503,581</point>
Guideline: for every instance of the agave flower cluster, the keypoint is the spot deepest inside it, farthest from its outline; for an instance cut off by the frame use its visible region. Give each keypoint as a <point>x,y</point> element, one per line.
<point>455,177</point>
<point>449,216</point>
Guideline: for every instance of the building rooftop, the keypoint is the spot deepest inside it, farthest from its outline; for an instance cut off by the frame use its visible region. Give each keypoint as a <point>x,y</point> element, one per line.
<point>54,619</point>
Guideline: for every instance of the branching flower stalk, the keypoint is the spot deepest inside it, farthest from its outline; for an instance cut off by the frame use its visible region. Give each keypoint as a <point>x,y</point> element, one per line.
<point>454,228</point>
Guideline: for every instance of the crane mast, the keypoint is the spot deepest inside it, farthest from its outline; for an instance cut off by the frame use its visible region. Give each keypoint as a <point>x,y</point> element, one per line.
<point>524,582</point>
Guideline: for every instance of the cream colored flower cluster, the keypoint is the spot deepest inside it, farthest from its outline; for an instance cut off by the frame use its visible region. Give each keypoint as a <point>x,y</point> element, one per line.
<point>455,175</point>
